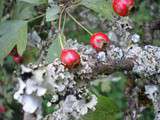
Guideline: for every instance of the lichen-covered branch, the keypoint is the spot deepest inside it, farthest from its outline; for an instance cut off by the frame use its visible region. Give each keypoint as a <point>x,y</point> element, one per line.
<point>69,87</point>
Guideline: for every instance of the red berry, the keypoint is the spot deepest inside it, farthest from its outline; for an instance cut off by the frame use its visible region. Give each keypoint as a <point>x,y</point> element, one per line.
<point>18,59</point>
<point>2,109</point>
<point>97,40</point>
<point>70,58</point>
<point>122,7</point>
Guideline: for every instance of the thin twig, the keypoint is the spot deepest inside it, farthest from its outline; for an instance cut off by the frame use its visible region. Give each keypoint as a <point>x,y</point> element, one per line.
<point>37,17</point>
<point>60,19</point>
<point>78,23</point>
<point>59,26</point>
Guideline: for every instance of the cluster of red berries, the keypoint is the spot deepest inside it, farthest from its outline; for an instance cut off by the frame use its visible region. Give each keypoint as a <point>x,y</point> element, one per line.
<point>16,57</point>
<point>122,7</point>
<point>70,58</point>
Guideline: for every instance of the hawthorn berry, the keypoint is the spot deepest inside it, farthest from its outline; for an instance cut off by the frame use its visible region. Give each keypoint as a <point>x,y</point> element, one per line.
<point>122,7</point>
<point>98,40</point>
<point>15,56</point>
<point>70,58</point>
<point>2,109</point>
<point>18,59</point>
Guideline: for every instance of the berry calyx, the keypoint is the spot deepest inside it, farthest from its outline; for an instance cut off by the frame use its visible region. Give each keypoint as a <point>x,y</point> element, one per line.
<point>122,7</point>
<point>15,56</point>
<point>13,52</point>
<point>98,40</point>
<point>18,59</point>
<point>70,58</point>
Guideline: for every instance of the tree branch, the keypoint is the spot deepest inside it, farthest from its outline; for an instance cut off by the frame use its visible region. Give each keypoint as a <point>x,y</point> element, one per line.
<point>68,83</point>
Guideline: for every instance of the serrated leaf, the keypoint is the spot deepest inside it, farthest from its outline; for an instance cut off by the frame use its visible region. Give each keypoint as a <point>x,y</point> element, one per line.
<point>55,49</point>
<point>37,2</point>
<point>105,110</point>
<point>102,7</point>
<point>12,33</point>
<point>23,11</point>
<point>52,13</point>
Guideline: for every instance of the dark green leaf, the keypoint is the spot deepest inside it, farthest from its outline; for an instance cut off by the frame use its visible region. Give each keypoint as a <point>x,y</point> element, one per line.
<point>12,33</point>
<point>23,11</point>
<point>105,110</point>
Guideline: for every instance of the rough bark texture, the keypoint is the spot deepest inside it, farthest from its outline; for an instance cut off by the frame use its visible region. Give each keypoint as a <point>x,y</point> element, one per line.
<point>138,62</point>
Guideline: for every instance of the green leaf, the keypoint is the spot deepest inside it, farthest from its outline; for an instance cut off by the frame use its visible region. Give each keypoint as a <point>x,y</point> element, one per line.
<point>36,2</point>
<point>55,48</point>
<point>52,13</point>
<point>102,7</point>
<point>105,110</point>
<point>12,33</point>
<point>23,11</point>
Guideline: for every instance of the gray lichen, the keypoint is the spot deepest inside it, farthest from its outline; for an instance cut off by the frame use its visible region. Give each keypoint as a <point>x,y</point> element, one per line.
<point>69,87</point>
<point>121,26</point>
<point>146,59</point>
<point>72,107</point>
<point>153,93</point>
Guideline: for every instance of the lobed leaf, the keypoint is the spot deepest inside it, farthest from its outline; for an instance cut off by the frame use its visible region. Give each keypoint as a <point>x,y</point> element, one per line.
<point>12,33</point>
<point>23,11</point>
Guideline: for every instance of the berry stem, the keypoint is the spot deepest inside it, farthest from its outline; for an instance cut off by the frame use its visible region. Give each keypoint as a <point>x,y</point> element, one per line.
<point>78,23</point>
<point>64,22</point>
<point>37,17</point>
<point>60,40</point>
<point>60,19</point>
<point>59,27</point>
